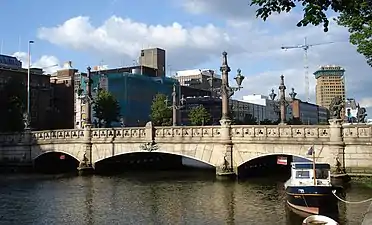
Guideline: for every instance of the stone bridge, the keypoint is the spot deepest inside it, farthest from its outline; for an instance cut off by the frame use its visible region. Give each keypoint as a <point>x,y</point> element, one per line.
<point>351,145</point>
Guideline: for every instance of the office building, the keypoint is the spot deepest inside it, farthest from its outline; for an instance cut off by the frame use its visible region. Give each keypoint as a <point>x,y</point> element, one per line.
<point>239,109</point>
<point>63,101</point>
<point>329,84</point>
<point>133,90</point>
<point>269,110</point>
<point>309,113</point>
<point>199,79</point>
<point>153,58</point>
<point>11,67</point>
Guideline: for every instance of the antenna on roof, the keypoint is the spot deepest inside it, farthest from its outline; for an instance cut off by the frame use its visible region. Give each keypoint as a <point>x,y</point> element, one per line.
<point>1,46</point>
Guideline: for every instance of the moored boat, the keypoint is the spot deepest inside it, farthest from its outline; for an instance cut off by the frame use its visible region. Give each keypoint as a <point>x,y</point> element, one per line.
<point>319,220</point>
<point>309,189</point>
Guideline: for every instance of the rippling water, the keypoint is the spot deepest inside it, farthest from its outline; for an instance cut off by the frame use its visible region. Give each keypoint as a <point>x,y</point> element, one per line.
<point>151,198</point>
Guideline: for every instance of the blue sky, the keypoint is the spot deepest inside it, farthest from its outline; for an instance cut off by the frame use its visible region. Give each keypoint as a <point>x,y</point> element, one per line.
<point>194,33</point>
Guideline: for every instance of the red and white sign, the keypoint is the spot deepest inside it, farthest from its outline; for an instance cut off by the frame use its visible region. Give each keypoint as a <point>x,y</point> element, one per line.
<point>62,157</point>
<point>281,160</point>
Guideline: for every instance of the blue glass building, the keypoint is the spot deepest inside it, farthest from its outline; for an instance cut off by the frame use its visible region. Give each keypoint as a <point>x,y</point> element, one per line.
<point>134,92</point>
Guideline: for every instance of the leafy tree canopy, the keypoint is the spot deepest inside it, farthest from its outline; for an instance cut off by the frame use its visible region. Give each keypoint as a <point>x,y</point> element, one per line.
<point>106,107</point>
<point>199,116</point>
<point>354,14</point>
<point>161,114</point>
<point>13,98</point>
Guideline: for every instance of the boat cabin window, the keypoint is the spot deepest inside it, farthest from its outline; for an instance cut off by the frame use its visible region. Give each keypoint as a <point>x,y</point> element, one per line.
<point>321,173</point>
<point>304,174</point>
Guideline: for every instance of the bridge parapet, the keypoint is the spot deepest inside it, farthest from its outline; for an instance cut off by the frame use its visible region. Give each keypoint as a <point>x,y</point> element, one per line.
<point>119,134</point>
<point>195,133</point>
<point>269,132</point>
<point>357,133</point>
<point>64,135</point>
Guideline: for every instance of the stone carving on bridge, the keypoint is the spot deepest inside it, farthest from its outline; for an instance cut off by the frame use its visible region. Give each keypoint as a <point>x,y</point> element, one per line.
<point>335,107</point>
<point>149,146</point>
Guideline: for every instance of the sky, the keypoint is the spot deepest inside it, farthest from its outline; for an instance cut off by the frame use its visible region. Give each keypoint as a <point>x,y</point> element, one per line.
<point>194,33</point>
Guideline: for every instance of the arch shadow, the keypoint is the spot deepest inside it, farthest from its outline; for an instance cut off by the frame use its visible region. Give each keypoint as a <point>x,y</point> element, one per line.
<point>159,152</point>
<point>277,154</point>
<point>267,165</point>
<point>52,162</point>
<point>144,161</point>
<point>48,152</point>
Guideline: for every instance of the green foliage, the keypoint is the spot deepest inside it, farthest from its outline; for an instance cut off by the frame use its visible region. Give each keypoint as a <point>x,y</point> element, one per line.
<point>13,98</point>
<point>359,23</point>
<point>161,114</point>
<point>106,107</point>
<point>199,116</point>
<point>354,14</point>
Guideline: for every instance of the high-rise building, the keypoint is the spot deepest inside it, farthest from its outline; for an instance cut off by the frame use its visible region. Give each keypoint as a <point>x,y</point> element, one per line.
<point>153,58</point>
<point>329,84</point>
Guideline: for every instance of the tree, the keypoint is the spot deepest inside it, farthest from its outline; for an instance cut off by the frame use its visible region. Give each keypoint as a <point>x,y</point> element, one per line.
<point>106,108</point>
<point>13,105</point>
<point>199,116</point>
<point>354,14</point>
<point>359,23</point>
<point>161,114</point>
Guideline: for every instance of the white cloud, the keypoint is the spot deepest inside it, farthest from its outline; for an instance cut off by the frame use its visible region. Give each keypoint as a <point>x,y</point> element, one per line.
<point>253,45</point>
<point>366,102</point>
<point>48,63</point>
<point>124,37</point>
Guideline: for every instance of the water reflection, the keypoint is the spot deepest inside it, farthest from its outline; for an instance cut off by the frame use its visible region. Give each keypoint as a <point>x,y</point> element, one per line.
<point>152,198</point>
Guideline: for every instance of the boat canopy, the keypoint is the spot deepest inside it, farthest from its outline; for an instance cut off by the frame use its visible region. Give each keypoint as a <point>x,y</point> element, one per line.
<point>309,165</point>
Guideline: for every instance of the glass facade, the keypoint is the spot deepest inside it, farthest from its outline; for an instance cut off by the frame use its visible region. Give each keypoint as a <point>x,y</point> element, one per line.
<point>134,93</point>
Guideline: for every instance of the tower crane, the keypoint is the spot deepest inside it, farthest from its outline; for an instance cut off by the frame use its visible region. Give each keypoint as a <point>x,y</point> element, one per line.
<point>306,47</point>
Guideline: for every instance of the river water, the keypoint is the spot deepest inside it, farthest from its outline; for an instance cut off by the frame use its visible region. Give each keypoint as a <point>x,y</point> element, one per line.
<point>152,198</point>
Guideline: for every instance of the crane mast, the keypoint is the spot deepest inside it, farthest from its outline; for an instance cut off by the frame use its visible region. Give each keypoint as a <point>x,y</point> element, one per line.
<point>305,47</point>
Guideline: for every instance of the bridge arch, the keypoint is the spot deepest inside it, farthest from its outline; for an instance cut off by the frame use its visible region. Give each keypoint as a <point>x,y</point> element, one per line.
<point>155,153</point>
<point>53,152</point>
<point>274,154</point>
<point>53,162</point>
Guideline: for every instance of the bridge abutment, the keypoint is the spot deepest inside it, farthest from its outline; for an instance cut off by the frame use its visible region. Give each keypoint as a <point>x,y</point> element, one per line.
<point>225,169</point>
<point>86,163</point>
<point>337,146</point>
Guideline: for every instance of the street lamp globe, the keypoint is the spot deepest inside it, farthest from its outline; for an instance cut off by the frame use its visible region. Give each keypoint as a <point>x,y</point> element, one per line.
<point>272,95</point>
<point>293,94</point>
<point>239,77</point>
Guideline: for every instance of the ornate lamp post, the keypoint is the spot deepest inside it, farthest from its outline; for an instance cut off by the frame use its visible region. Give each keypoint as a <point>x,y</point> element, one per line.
<point>283,103</point>
<point>275,105</point>
<point>226,90</point>
<point>175,105</point>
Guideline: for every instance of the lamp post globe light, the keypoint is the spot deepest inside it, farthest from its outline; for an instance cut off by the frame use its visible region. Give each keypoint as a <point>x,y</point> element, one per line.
<point>227,91</point>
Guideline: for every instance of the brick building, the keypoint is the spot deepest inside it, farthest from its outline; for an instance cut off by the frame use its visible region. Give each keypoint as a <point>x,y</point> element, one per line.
<point>39,90</point>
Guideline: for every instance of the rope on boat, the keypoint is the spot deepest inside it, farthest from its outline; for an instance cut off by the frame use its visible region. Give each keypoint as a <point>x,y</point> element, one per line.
<point>342,200</point>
